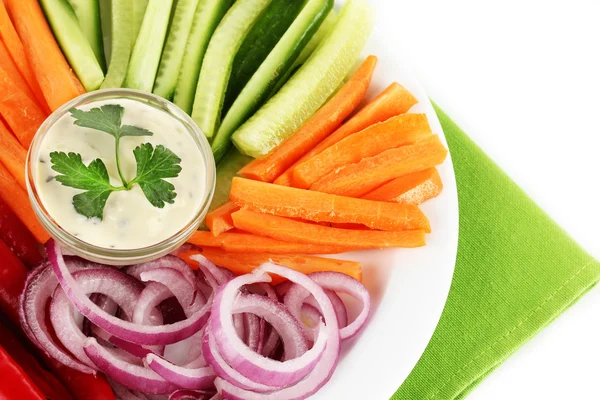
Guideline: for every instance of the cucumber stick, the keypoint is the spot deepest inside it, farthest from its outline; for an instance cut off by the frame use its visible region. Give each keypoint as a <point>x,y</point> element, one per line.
<point>73,43</point>
<point>88,15</point>
<point>262,38</point>
<point>279,60</point>
<point>172,56</point>
<point>117,18</point>
<point>148,47</point>
<point>218,60</point>
<point>206,18</point>
<point>227,169</point>
<point>138,9</point>
<point>310,87</point>
<point>312,44</point>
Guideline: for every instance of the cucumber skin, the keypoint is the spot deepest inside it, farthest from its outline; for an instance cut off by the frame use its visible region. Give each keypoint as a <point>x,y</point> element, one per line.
<point>120,15</point>
<point>266,77</point>
<point>311,86</point>
<point>206,18</point>
<point>138,9</point>
<point>172,55</point>
<point>262,38</point>
<point>88,15</point>
<point>146,53</point>
<point>310,47</point>
<point>73,43</point>
<point>218,60</point>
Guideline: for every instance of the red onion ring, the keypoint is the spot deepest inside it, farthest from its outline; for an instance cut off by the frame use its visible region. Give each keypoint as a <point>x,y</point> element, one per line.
<point>186,394</point>
<point>239,356</point>
<point>135,333</point>
<point>122,393</point>
<point>131,376</point>
<point>167,261</point>
<point>322,371</point>
<point>185,378</point>
<point>252,324</point>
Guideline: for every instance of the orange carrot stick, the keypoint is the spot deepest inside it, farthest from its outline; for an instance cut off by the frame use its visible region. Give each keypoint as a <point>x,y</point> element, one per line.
<point>414,188</point>
<point>236,242</point>
<point>17,200</point>
<point>392,101</point>
<point>7,63</point>
<point>9,36</point>
<point>395,132</point>
<point>219,220</point>
<point>300,232</point>
<point>356,180</point>
<point>318,127</point>
<point>322,207</point>
<point>12,155</point>
<point>57,81</point>
<point>20,112</point>
<point>245,263</point>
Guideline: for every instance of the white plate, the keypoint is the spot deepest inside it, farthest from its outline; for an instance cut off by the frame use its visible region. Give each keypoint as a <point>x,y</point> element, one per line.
<point>409,287</point>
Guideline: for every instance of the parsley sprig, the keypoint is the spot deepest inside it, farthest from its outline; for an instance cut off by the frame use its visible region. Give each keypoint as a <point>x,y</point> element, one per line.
<point>154,164</point>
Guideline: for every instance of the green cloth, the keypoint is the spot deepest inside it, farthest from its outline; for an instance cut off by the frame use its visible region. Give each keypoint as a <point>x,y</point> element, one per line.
<point>516,271</point>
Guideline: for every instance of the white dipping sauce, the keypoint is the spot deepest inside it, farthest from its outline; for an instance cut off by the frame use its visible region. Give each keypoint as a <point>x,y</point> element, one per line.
<point>130,221</point>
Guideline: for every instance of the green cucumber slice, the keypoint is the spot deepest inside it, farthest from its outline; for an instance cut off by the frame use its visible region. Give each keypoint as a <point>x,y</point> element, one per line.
<point>262,38</point>
<point>73,43</point>
<point>117,17</point>
<point>88,15</point>
<point>279,60</point>
<point>324,30</point>
<point>218,60</point>
<point>310,87</point>
<point>206,18</point>
<point>139,10</point>
<point>172,56</point>
<point>145,56</point>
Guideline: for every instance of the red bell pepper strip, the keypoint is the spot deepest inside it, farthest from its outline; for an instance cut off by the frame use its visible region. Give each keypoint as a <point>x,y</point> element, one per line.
<point>14,233</point>
<point>48,383</point>
<point>12,280</point>
<point>15,383</point>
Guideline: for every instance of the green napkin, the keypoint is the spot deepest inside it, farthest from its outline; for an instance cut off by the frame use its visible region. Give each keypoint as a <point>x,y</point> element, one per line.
<point>516,271</point>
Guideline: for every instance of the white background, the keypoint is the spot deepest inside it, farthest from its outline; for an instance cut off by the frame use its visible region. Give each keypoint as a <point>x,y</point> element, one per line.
<point>522,78</point>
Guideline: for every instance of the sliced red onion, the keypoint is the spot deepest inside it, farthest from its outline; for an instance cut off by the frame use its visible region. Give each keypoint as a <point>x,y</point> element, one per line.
<point>168,261</point>
<point>238,355</point>
<point>310,316</point>
<point>122,393</point>
<point>223,370</point>
<point>271,342</point>
<point>175,282</point>
<point>186,378</point>
<point>262,329</point>
<point>132,376</point>
<point>322,371</point>
<point>345,284</point>
<point>38,290</point>
<point>210,270</point>
<point>135,333</point>
<point>283,287</point>
<point>252,324</point>
<point>186,394</point>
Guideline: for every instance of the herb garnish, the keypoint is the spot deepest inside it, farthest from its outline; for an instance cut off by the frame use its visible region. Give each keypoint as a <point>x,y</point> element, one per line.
<point>153,165</point>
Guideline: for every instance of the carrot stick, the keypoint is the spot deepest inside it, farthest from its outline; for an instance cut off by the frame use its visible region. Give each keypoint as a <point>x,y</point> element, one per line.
<point>57,81</point>
<point>7,63</point>
<point>300,232</point>
<point>414,188</point>
<point>318,127</point>
<point>9,36</point>
<point>17,200</point>
<point>219,220</point>
<point>394,100</point>
<point>20,112</point>
<point>235,242</point>
<point>245,263</point>
<point>356,180</point>
<point>395,132</point>
<point>322,207</point>
<point>12,155</point>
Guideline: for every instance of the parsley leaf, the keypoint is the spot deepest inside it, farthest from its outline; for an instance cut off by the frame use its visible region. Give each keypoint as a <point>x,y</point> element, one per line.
<point>93,179</point>
<point>153,165</point>
<point>107,119</point>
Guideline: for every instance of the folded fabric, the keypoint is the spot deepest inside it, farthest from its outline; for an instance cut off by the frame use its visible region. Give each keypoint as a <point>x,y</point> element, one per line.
<point>516,271</point>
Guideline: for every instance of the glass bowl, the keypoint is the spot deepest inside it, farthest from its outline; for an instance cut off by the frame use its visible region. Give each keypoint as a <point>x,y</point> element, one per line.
<point>111,256</point>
